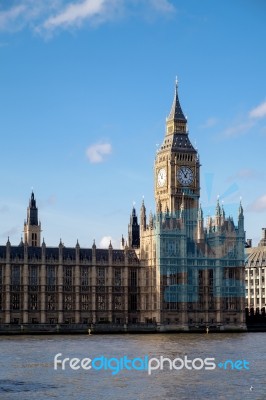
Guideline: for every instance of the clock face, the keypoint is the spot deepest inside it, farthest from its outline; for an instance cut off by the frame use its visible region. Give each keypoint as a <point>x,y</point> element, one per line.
<point>161,177</point>
<point>185,176</point>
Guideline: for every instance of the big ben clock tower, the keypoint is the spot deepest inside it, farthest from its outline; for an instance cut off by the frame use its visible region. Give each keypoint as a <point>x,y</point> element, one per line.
<point>177,187</point>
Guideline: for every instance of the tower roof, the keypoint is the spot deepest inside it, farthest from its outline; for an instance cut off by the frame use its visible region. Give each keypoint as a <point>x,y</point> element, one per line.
<point>176,112</point>
<point>32,212</point>
<point>32,202</point>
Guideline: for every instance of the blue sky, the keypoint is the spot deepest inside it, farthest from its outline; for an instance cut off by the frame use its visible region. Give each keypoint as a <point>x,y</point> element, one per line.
<point>85,87</point>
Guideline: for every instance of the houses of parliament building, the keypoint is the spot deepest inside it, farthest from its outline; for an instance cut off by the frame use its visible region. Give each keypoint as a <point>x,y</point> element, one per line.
<point>175,272</point>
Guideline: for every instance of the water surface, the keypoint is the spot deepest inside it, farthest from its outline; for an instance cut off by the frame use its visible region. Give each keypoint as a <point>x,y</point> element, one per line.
<point>27,367</point>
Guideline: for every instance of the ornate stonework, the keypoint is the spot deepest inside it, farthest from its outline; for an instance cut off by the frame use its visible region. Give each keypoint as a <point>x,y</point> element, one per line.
<point>174,273</point>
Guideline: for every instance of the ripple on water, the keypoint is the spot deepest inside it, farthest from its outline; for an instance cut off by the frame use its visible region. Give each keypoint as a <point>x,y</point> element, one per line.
<point>26,367</point>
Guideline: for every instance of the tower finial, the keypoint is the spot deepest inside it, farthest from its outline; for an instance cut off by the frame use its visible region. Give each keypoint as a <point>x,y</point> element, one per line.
<point>240,210</point>
<point>176,113</point>
<point>218,207</point>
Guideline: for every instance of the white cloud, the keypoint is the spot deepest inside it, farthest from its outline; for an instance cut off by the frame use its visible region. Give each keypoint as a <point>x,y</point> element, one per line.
<point>246,122</point>
<point>238,129</point>
<point>259,205</point>
<point>96,152</point>
<point>75,13</point>
<point>162,5</point>
<point>245,174</point>
<point>9,16</point>
<point>45,16</point>
<point>27,13</point>
<point>259,111</point>
<point>11,232</point>
<point>4,209</point>
<point>209,123</point>
<point>105,242</point>
<point>50,201</point>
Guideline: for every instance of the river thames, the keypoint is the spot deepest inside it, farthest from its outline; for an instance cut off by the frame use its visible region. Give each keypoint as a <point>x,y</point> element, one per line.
<point>27,368</point>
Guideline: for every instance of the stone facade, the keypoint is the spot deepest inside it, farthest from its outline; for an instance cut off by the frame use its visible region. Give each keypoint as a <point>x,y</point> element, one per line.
<point>255,275</point>
<point>68,285</point>
<point>173,272</point>
<point>197,271</point>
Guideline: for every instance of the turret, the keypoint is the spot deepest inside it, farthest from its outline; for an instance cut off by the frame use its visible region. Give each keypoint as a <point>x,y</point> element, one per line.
<point>122,245</point>
<point>263,238</point>
<point>240,218</point>
<point>177,169</point>
<point>176,121</point>
<point>209,224</point>
<point>218,214</point>
<point>32,212</point>
<point>32,227</point>
<point>133,230</point>
<point>143,219</point>
<point>151,221</point>
<point>182,208</point>
<point>223,215</point>
<point>200,225</point>
<point>159,207</point>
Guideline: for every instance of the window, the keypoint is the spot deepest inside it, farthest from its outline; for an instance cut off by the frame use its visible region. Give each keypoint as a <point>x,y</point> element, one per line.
<point>33,300</point>
<point>67,278</point>
<point>15,301</point>
<point>100,276</point>
<point>133,302</point>
<point>84,278</point>
<point>50,302</point>
<point>201,302</point>
<point>210,277</point>
<point>133,277</point>
<point>200,276</point>
<point>231,273</point>
<point>33,277</point>
<point>50,278</point>
<point>117,277</point>
<point>85,302</point>
<point>15,275</point>
<point>117,302</point>
<point>101,302</point>
<point>230,303</point>
<point>34,239</point>
<point>211,302</point>
<point>68,300</point>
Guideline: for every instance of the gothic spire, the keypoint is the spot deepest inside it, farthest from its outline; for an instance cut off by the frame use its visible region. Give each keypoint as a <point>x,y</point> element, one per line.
<point>32,202</point>
<point>133,230</point>
<point>176,113</point>
<point>32,212</point>
<point>240,210</point>
<point>218,208</point>
<point>182,207</point>
<point>122,242</point>
<point>200,213</point>
<point>133,211</point>
<point>143,215</point>
<point>241,217</point>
